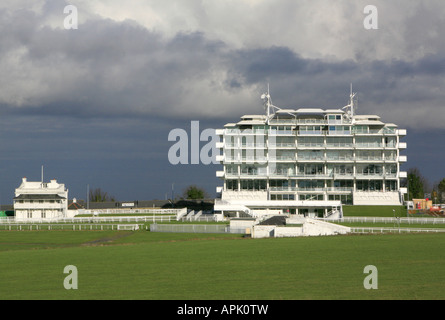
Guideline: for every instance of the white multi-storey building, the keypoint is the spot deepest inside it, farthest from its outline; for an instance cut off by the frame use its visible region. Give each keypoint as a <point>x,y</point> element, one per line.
<point>40,200</point>
<point>307,161</point>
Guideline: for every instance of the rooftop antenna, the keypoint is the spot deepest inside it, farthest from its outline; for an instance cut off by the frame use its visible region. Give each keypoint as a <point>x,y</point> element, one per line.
<point>352,96</point>
<point>351,104</point>
<point>267,103</point>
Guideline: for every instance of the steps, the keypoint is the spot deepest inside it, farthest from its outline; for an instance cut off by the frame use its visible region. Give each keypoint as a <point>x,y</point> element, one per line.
<point>276,226</point>
<point>274,221</point>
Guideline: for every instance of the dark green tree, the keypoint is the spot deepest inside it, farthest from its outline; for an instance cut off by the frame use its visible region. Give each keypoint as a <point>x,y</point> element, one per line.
<point>441,191</point>
<point>193,193</point>
<point>97,195</point>
<point>416,184</point>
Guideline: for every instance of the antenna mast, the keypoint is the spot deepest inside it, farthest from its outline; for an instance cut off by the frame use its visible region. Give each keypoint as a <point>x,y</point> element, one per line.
<point>351,105</point>
<point>267,103</point>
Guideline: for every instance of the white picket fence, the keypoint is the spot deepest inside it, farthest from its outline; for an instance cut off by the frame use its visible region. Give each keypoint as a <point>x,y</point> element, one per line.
<point>168,211</point>
<point>73,227</point>
<point>395,230</point>
<point>194,228</point>
<point>78,220</point>
<point>401,220</point>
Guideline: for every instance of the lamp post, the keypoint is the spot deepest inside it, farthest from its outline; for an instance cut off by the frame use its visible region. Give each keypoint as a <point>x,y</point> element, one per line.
<point>88,196</point>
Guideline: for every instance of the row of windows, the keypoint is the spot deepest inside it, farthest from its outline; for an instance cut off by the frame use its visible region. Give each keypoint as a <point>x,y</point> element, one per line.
<point>37,201</point>
<point>260,155</point>
<point>248,141</point>
<point>360,185</point>
<point>312,169</point>
<point>344,198</point>
<point>35,215</point>
<point>312,129</point>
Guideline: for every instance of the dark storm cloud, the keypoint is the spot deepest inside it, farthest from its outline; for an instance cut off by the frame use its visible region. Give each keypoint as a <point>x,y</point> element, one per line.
<point>108,68</point>
<point>95,105</point>
<point>104,67</point>
<point>259,64</point>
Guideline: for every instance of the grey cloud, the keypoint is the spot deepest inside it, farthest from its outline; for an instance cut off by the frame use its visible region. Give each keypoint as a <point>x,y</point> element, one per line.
<point>107,94</point>
<point>121,69</point>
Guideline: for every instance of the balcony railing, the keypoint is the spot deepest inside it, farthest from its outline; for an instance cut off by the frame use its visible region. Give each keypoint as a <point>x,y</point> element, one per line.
<point>306,158</point>
<point>369,158</point>
<point>311,145</point>
<point>253,145</point>
<point>368,145</point>
<point>281,132</point>
<point>282,158</point>
<point>310,132</point>
<point>282,145</point>
<point>339,132</point>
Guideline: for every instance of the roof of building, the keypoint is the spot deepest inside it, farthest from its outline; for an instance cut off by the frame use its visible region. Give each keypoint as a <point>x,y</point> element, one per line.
<point>75,206</point>
<point>39,197</point>
<point>309,110</point>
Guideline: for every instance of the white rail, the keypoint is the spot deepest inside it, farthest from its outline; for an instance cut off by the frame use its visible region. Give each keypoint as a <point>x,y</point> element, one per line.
<point>395,230</point>
<point>77,220</point>
<point>54,227</point>
<point>405,220</point>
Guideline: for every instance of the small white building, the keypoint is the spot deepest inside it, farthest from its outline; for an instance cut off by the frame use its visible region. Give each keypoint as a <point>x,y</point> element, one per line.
<point>40,200</point>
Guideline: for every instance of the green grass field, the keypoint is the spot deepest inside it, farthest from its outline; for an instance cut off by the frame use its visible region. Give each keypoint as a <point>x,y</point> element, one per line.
<point>374,211</point>
<point>166,266</point>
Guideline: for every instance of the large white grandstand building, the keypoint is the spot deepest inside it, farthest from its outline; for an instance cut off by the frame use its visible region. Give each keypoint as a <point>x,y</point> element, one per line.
<point>309,161</point>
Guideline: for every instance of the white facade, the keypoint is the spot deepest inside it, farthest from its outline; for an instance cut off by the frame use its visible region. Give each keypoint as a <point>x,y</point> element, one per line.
<point>308,160</point>
<point>40,200</point>
<point>307,228</point>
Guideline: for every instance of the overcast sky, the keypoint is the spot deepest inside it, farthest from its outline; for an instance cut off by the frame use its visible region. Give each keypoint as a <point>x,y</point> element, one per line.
<point>95,104</point>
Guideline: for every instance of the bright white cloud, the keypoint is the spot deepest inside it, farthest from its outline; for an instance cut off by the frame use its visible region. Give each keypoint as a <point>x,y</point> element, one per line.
<point>313,28</point>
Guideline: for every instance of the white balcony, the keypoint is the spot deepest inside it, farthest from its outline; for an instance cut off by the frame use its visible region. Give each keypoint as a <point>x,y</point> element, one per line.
<point>402,145</point>
<point>401,132</point>
<point>403,174</point>
<point>220,158</point>
<point>220,174</point>
<point>403,159</point>
<point>219,132</point>
<point>219,145</point>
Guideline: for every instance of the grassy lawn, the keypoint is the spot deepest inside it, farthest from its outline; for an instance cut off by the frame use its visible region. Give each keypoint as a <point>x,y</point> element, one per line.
<point>392,225</point>
<point>374,211</point>
<point>146,265</point>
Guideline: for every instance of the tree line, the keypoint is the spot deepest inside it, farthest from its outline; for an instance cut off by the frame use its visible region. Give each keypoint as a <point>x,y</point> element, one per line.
<point>418,186</point>
<point>192,192</point>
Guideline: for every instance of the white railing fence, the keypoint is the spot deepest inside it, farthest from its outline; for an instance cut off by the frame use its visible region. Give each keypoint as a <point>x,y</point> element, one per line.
<point>73,227</point>
<point>395,230</point>
<point>194,228</point>
<point>168,211</point>
<point>79,220</point>
<point>401,220</point>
